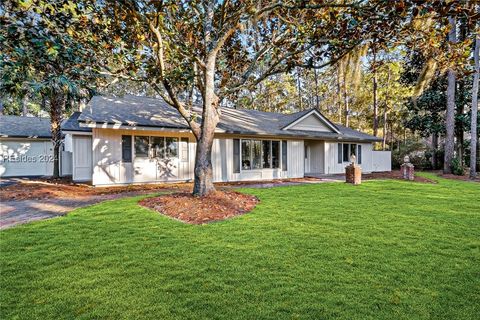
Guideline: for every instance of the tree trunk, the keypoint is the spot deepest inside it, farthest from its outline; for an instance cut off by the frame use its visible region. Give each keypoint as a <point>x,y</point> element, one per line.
<point>345,100</point>
<point>338,96</point>
<point>203,172</point>
<point>384,138</point>
<point>25,105</point>
<point>385,111</point>
<point>57,105</point>
<point>459,127</point>
<point>434,150</point>
<point>299,91</point>
<point>474,116</point>
<point>450,114</point>
<point>375,103</point>
<point>317,98</point>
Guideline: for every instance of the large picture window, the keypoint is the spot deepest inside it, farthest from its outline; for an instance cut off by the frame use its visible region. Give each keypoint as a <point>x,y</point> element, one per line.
<point>259,154</point>
<point>156,147</point>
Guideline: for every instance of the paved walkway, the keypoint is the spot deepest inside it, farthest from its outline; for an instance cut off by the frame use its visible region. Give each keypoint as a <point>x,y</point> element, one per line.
<point>17,212</point>
<point>23,211</point>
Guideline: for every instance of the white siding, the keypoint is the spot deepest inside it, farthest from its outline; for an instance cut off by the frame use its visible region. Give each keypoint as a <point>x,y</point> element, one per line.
<point>381,161</point>
<point>108,167</point>
<point>296,159</point>
<point>222,160</point>
<point>331,158</point>
<point>311,123</point>
<point>66,163</point>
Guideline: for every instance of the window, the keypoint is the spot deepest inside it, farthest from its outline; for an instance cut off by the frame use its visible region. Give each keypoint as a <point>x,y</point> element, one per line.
<point>171,147</point>
<point>340,157</point>
<point>353,149</point>
<point>127,148</point>
<point>246,152</point>
<point>184,149</point>
<point>236,155</point>
<point>284,155</point>
<point>158,147</point>
<point>346,156</point>
<point>256,154</point>
<point>141,146</point>
<point>345,150</point>
<point>267,153</point>
<point>275,154</point>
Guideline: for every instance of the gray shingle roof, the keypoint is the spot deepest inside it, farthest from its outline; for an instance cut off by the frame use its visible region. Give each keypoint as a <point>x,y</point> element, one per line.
<point>71,124</point>
<point>152,112</point>
<point>24,127</point>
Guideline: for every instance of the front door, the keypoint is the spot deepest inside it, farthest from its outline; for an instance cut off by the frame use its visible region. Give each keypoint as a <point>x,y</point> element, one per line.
<point>307,158</point>
<point>82,158</point>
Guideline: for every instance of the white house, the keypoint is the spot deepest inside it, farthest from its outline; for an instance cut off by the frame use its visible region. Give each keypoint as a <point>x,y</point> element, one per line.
<point>142,140</point>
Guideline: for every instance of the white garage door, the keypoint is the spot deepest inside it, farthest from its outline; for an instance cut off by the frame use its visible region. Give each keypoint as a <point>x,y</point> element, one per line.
<point>26,157</point>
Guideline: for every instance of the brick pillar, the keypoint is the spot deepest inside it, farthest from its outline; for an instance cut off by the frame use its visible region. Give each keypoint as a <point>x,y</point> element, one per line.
<point>353,174</point>
<point>408,171</point>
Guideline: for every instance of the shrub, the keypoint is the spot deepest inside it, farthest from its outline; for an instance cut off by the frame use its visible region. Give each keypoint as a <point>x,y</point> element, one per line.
<point>418,153</point>
<point>457,167</point>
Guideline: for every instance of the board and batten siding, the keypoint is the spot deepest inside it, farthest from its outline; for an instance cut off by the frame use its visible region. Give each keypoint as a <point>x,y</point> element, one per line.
<point>372,161</point>
<point>222,161</point>
<point>109,169</point>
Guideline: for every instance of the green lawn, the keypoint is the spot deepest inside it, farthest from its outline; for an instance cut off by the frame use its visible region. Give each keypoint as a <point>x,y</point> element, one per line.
<point>381,250</point>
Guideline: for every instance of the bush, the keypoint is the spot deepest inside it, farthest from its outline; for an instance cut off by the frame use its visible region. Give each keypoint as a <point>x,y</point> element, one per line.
<point>457,167</point>
<point>418,153</point>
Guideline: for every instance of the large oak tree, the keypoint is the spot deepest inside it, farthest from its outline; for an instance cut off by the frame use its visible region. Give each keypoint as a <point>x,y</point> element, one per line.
<point>206,52</point>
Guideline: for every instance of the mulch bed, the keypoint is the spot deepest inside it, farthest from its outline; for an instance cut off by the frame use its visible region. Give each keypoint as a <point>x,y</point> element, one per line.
<point>217,206</point>
<point>455,177</point>
<point>62,188</point>
<point>395,174</point>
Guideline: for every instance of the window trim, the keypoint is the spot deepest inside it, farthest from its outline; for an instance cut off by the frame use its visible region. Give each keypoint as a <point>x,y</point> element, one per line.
<point>261,154</point>
<point>150,150</point>
<point>357,147</point>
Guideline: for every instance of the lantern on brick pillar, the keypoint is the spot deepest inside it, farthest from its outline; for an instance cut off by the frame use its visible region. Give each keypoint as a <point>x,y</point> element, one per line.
<point>353,172</point>
<point>407,169</point>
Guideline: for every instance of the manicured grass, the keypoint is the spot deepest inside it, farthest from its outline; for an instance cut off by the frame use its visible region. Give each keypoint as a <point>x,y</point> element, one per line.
<point>381,250</point>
